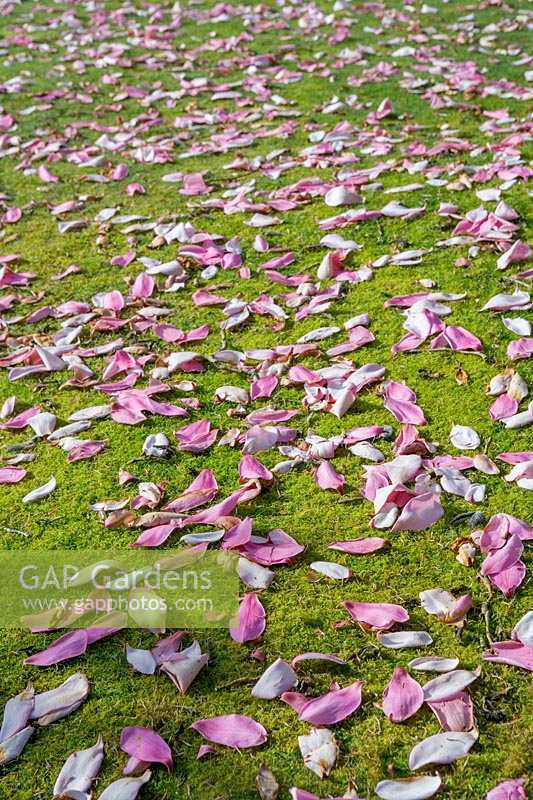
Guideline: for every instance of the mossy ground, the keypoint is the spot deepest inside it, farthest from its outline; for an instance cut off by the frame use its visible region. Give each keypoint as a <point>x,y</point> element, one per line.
<point>300,611</point>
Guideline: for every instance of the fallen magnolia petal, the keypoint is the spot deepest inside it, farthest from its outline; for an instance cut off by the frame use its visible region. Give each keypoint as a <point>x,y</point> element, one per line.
<point>522,632</point>
<point>403,696</point>
<point>445,606</point>
<point>456,713</point>
<point>17,713</point>
<point>328,478</point>
<point>231,730</point>
<point>464,438</point>
<point>251,620</point>
<point>43,423</point>
<point>267,785</point>
<point>359,547</point>
<point>319,751</point>
<point>79,771</point>
<point>448,685</point>
<point>513,653</point>
<point>126,788</point>
<point>12,747</point>
<point>278,678</point>
<point>376,616</point>
<point>442,748</point>
<point>397,640</point>
<point>141,660</point>
<point>513,789</point>
<point>254,575</point>
<point>434,664</point>
<point>57,703</point>
<point>331,570</point>
<point>409,788</point>
<point>41,492</point>
<point>183,667</point>
<point>329,708</point>
<point>146,746</point>
<point>316,657</point>
<point>12,474</point>
<point>419,513</point>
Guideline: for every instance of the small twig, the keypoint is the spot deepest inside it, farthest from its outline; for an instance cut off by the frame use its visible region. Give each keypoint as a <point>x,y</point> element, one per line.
<point>485,610</point>
<point>15,530</point>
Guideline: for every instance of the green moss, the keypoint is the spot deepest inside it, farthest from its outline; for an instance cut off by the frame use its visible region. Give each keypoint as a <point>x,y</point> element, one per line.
<point>301,613</point>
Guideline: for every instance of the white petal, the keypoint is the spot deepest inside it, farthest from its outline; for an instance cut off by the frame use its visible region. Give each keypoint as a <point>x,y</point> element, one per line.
<point>434,664</point>
<point>254,575</point>
<point>523,630</point>
<point>279,677</point>
<point>442,748</point>
<point>464,438</point>
<point>40,492</point>
<point>331,570</point>
<point>319,750</point>
<point>518,325</point>
<point>42,424</point>
<point>409,788</point>
<point>448,685</point>
<point>400,639</point>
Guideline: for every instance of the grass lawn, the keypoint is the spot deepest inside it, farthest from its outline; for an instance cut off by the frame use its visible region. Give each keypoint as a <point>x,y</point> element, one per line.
<point>134,83</point>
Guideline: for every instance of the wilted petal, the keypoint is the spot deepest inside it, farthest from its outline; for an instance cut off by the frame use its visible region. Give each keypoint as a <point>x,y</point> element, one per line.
<point>456,713</point>
<point>328,478</point>
<point>61,701</point>
<point>434,664</point>
<point>442,748</point>
<point>419,513</point>
<point>329,708</point>
<point>331,570</point>
<point>79,771</point>
<point>12,747</point>
<point>17,713</point>
<point>40,492</point>
<point>513,653</point>
<point>253,575</point>
<point>464,438</point>
<point>522,631</point>
<point>508,790</point>
<point>400,639</point>
<point>319,750</point>
<point>232,730</point>
<point>359,547</point>
<point>503,558</point>
<point>183,668</point>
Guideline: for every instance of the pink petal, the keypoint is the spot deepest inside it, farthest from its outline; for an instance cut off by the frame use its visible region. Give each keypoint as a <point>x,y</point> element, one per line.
<point>376,616</point>
<point>455,714</point>
<point>359,547</point>
<point>403,696</point>
<point>232,730</point>
<point>419,513</point>
<point>251,620</point>
<point>503,558</point>
<point>145,745</point>
<point>12,474</point>
<point>508,790</point>
<point>328,709</point>
<point>328,478</point>
<point>513,653</point>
